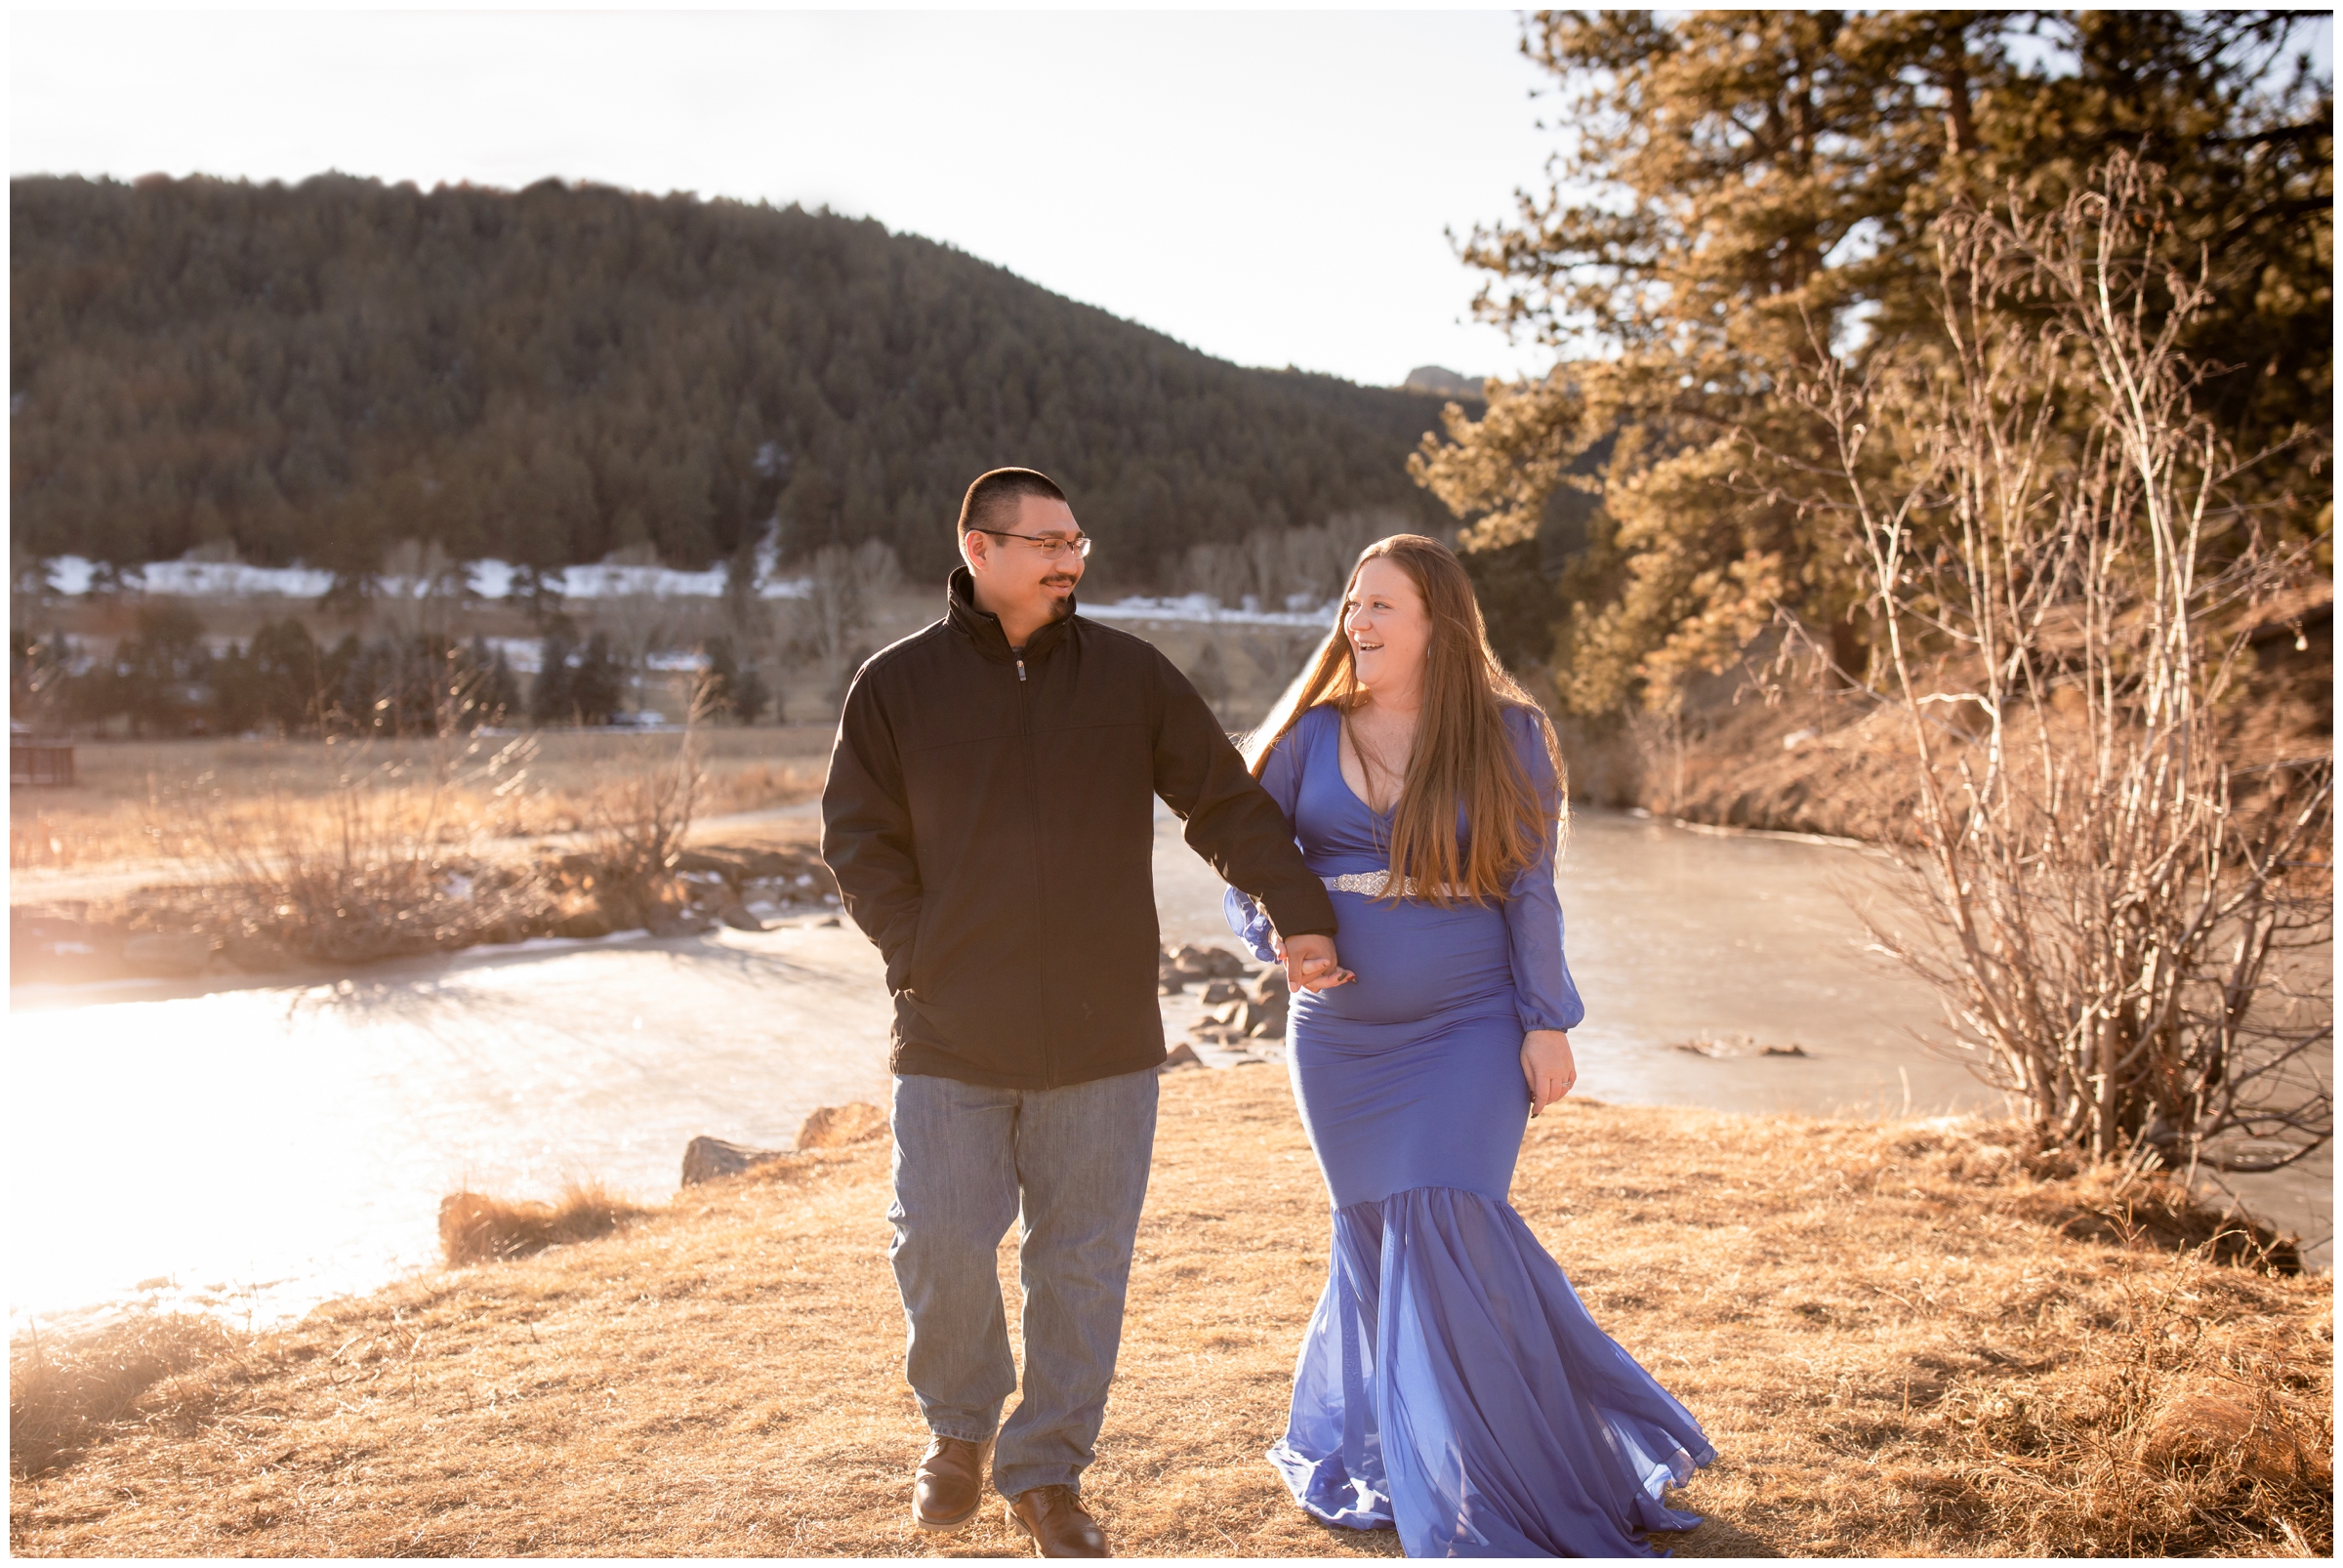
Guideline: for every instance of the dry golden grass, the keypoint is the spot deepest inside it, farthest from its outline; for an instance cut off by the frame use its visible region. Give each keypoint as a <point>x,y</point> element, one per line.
<point>477,1229</point>
<point>62,1394</point>
<point>1892,1333</point>
<point>139,801</point>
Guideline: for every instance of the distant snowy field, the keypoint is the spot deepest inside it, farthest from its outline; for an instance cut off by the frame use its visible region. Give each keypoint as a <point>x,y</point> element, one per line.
<point>73,576</point>
<point>1203,608</point>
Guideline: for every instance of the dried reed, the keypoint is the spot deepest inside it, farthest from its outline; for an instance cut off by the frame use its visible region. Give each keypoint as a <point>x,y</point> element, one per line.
<point>477,1229</point>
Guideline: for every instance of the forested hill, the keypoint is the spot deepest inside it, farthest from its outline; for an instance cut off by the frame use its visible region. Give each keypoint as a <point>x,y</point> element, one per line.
<point>313,372</point>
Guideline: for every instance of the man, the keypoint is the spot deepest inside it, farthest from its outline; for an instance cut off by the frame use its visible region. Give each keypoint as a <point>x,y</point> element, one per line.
<point>989,817</point>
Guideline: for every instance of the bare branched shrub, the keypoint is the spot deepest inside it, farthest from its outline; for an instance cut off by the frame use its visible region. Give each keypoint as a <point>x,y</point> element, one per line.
<point>2129,922</point>
<point>1282,567</point>
<point>390,859</point>
<point>418,588</point>
<point>637,818</point>
<point>843,587</point>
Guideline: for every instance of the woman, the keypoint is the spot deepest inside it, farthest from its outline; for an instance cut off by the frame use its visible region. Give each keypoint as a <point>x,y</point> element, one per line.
<point>1451,1384</point>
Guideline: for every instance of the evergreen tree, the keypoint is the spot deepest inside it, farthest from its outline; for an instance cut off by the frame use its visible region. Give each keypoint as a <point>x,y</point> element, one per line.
<point>730,691</point>
<point>751,696</point>
<point>598,685</point>
<point>238,696</point>
<point>1748,190</point>
<point>551,699</point>
<point>161,672</point>
<point>285,668</point>
<point>492,694</point>
<point>719,681</point>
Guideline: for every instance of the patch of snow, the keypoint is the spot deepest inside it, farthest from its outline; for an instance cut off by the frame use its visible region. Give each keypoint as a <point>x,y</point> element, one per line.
<point>490,579</point>
<point>523,654</point>
<point>652,581</point>
<point>1203,609</point>
<point>74,575</point>
<point>215,579</point>
<point>70,575</point>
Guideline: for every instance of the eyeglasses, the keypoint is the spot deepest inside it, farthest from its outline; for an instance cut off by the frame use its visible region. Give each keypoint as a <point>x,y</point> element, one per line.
<point>1051,546</point>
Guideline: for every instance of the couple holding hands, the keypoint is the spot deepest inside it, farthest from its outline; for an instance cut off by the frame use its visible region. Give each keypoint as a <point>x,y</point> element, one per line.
<point>1390,834</point>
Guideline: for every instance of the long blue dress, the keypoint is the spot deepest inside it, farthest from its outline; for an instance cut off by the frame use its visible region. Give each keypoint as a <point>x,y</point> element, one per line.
<point>1451,1384</point>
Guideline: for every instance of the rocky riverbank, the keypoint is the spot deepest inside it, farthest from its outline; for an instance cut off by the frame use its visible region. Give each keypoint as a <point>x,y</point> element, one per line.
<point>1902,1338</point>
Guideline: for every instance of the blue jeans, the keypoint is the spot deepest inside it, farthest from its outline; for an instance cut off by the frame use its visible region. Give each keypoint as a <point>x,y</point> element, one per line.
<point>965,1157</point>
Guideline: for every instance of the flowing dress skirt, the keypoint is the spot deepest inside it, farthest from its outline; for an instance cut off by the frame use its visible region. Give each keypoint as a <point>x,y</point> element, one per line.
<point>1451,1384</point>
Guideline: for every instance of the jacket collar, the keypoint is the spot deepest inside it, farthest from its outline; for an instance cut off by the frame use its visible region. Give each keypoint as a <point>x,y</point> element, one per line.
<point>983,626</point>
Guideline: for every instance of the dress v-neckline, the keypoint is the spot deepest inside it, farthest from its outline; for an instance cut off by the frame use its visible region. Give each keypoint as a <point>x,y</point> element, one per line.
<point>1364,804</point>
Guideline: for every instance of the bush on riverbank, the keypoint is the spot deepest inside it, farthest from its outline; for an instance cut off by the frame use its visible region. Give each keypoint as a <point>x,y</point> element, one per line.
<point>446,905</point>
<point>1892,1332</point>
<point>477,1229</point>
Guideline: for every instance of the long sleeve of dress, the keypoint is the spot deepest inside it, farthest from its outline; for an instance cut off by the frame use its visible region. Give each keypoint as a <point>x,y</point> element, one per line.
<point>1281,776</point>
<point>1544,992</point>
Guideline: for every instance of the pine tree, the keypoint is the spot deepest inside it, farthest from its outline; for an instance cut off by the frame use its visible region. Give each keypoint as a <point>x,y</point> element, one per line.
<point>491,694</point>
<point>285,669</point>
<point>751,696</point>
<point>1747,190</point>
<point>162,672</point>
<point>553,698</point>
<point>598,684</point>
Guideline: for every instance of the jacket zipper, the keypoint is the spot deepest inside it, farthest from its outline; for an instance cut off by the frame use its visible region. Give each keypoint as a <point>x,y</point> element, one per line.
<point>1034,828</point>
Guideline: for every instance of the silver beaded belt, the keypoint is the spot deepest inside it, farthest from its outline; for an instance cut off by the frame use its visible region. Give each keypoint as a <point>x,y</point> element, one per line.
<point>1377,885</point>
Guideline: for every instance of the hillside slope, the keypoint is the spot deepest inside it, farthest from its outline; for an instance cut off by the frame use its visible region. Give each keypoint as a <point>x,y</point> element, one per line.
<point>311,372</point>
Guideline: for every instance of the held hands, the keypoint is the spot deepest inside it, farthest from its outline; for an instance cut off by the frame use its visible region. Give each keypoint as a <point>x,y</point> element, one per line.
<point>1549,1067</point>
<point>1312,964</point>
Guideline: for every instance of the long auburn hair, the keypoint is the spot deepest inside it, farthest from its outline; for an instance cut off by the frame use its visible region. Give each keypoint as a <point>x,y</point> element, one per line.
<point>1463,753</point>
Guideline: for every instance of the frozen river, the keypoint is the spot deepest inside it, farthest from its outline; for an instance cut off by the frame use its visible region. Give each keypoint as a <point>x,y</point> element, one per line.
<point>258,1148</point>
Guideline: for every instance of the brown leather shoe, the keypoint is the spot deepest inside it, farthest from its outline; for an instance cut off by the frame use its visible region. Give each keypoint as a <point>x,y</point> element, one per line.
<point>949,1487</point>
<point>1059,1525</point>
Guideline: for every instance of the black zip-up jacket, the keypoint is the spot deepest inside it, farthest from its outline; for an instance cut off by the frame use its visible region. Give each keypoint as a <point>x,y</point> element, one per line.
<point>989,816</point>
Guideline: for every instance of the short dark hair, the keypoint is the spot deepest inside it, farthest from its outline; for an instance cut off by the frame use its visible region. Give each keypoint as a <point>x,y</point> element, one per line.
<point>999,492</point>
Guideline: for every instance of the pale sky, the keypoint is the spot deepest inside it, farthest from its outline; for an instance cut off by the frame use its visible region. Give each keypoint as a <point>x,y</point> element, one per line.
<point>1271,188</point>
